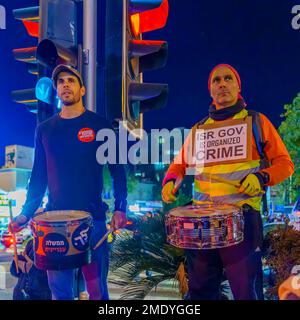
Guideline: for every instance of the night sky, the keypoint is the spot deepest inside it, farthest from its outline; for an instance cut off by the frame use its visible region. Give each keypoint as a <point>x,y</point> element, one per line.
<point>255,36</point>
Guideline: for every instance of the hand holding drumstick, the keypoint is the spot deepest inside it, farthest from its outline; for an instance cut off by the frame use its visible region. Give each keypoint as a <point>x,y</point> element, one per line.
<point>249,185</point>
<point>118,221</point>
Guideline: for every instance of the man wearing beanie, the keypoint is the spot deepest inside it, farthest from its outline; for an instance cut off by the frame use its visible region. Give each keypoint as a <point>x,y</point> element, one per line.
<point>242,261</point>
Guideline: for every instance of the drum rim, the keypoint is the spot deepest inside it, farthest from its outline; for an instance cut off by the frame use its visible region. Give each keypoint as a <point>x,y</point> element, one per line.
<point>185,214</point>
<point>59,223</point>
<point>212,206</point>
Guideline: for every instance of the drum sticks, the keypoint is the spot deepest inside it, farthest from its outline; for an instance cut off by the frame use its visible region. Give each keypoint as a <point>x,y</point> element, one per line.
<point>219,179</point>
<point>103,238</point>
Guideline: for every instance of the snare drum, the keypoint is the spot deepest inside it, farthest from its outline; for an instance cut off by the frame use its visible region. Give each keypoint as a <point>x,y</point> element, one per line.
<point>205,227</point>
<point>61,239</point>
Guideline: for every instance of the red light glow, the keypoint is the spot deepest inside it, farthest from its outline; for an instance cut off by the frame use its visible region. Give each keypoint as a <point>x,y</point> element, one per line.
<point>32,28</point>
<point>150,20</point>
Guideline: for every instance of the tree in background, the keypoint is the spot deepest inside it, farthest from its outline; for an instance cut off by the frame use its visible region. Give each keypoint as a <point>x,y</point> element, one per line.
<point>132,183</point>
<point>290,134</point>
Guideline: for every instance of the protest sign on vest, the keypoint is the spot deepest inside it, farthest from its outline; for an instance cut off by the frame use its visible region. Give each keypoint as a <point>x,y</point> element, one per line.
<point>229,142</point>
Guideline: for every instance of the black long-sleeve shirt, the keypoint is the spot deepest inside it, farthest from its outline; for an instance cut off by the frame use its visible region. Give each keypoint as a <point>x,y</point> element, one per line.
<point>65,163</point>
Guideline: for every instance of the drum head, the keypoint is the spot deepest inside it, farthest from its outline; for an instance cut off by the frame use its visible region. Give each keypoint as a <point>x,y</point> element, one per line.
<point>61,216</point>
<point>203,210</point>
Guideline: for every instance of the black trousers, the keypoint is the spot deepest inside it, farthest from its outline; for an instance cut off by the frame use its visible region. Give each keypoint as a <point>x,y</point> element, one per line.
<point>242,264</point>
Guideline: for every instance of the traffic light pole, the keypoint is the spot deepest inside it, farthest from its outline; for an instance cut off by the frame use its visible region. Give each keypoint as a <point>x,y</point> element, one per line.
<point>90,52</point>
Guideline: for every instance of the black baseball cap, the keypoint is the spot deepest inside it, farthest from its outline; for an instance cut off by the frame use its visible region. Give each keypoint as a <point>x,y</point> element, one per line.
<point>65,68</point>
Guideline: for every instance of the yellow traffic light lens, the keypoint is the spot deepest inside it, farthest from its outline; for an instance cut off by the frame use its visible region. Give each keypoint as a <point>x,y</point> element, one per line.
<point>135,24</point>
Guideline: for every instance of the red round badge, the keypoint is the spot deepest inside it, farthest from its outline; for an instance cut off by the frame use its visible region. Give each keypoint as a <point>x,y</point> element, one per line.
<point>86,135</point>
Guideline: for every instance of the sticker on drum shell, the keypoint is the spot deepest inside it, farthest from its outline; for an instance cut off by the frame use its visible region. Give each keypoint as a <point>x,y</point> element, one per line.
<point>188,225</point>
<point>55,244</point>
<point>81,237</point>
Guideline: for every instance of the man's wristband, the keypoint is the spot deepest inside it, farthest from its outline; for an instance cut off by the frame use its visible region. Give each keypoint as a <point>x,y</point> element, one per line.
<point>263,177</point>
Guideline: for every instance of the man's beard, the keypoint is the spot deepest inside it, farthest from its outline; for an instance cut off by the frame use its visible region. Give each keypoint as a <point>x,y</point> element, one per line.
<point>70,102</point>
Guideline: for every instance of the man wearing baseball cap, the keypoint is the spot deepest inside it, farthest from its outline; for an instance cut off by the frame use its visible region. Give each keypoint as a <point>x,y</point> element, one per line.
<point>238,183</point>
<point>65,163</point>
<point>68,69</point>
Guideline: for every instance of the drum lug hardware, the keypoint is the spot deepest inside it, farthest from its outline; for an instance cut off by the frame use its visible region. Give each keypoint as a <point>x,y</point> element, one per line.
<point>68,230</point>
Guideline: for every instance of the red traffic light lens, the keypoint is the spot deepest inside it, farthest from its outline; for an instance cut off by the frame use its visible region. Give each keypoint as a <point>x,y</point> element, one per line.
<point>149,20</point>
<point>32,28</point>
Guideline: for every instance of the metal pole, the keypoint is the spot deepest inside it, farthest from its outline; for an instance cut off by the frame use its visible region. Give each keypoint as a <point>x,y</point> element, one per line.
<point>90,52</point>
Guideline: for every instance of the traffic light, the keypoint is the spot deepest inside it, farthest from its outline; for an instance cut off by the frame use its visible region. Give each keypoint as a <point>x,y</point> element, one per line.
<point>128,56</point>
<point>58,44</point>
<point>30,18</point>
<point>59,34</point>
<point>55,24</point>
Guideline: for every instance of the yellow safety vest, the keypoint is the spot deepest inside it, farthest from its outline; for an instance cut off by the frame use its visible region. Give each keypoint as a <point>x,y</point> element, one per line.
<point>208,191</point>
